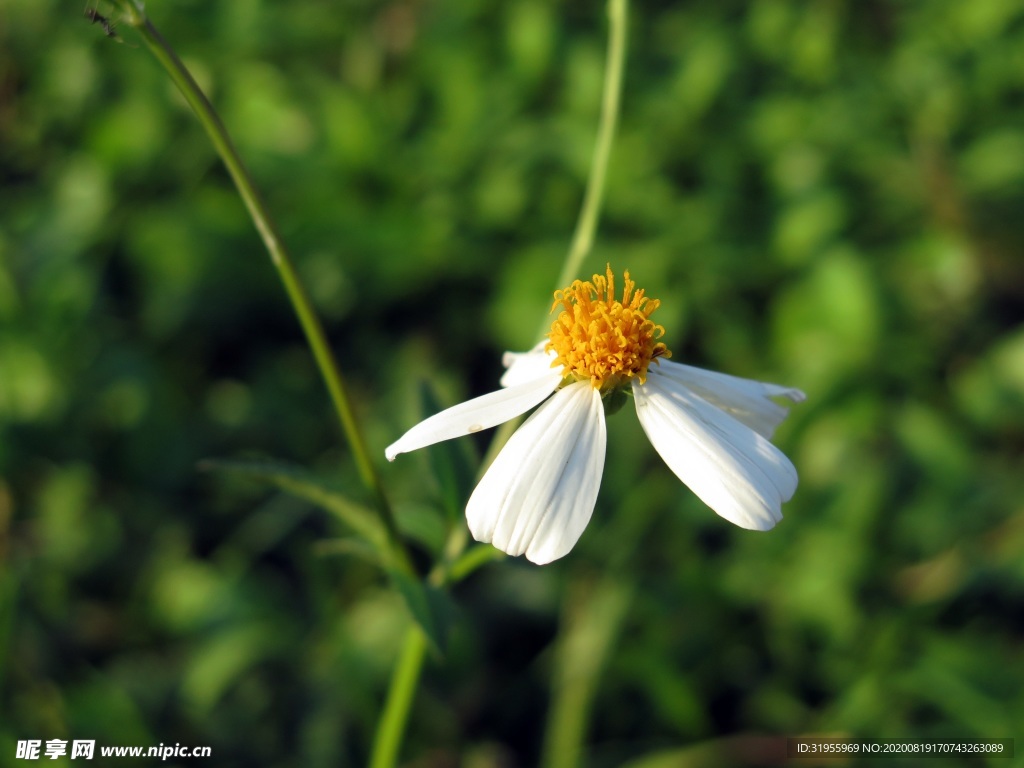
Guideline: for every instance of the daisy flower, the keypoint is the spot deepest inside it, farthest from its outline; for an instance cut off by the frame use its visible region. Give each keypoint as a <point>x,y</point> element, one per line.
<point>712,429</point>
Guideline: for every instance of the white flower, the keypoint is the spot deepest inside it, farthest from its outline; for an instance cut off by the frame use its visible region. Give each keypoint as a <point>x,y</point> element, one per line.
<point>711,429</point>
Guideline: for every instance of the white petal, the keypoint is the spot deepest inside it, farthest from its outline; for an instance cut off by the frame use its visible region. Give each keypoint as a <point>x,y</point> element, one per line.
<point>744,399</point>
<point>527,366</point>
<point>539,494</point>
<point>473,415</point>
<point>732,468</point>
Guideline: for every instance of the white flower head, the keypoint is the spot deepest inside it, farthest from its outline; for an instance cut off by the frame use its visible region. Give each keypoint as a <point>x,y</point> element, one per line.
<point>712,430</point>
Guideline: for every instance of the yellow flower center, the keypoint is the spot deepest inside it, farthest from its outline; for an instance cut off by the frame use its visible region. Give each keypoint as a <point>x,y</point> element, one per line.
<point>604,340</point>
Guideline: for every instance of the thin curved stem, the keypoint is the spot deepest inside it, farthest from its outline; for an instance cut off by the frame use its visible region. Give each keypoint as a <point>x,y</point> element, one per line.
<point>297,294</point>
<point>590,212</point>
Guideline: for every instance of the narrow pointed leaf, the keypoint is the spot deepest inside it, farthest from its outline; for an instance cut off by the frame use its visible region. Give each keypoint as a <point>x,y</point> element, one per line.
<point>349,546</point>
<point>423,524</point>
<point>429,607</point>
<point>304,485</point>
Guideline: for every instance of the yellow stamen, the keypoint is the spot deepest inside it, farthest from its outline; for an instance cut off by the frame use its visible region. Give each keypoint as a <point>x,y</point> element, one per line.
<point>604,340</point>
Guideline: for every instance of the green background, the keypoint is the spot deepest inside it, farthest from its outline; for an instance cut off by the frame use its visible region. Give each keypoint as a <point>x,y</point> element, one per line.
<point>823,194</point>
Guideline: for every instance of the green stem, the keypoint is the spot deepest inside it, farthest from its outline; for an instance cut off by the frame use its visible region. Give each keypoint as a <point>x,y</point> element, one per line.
<point>403,686</point>
<point>297,294</point>
<point>406,675</point>
<point>590,212</point>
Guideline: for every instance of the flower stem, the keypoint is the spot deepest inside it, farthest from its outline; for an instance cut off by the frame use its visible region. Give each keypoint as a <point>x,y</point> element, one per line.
<point>590,212</point>
<point>293,286</point>
<point>406,675</point>
<point>404,682</point>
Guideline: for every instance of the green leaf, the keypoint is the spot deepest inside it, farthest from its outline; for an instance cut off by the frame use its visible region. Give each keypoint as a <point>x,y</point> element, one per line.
<point>349,547</point>
<point>472,559</point>
<point>454,462</point>
<point>422,523</point>
<point>304,485</point>
<point>429,607</point>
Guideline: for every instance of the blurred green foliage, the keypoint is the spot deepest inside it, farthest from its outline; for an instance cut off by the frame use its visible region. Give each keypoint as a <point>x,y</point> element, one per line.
<point>825,194</point>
